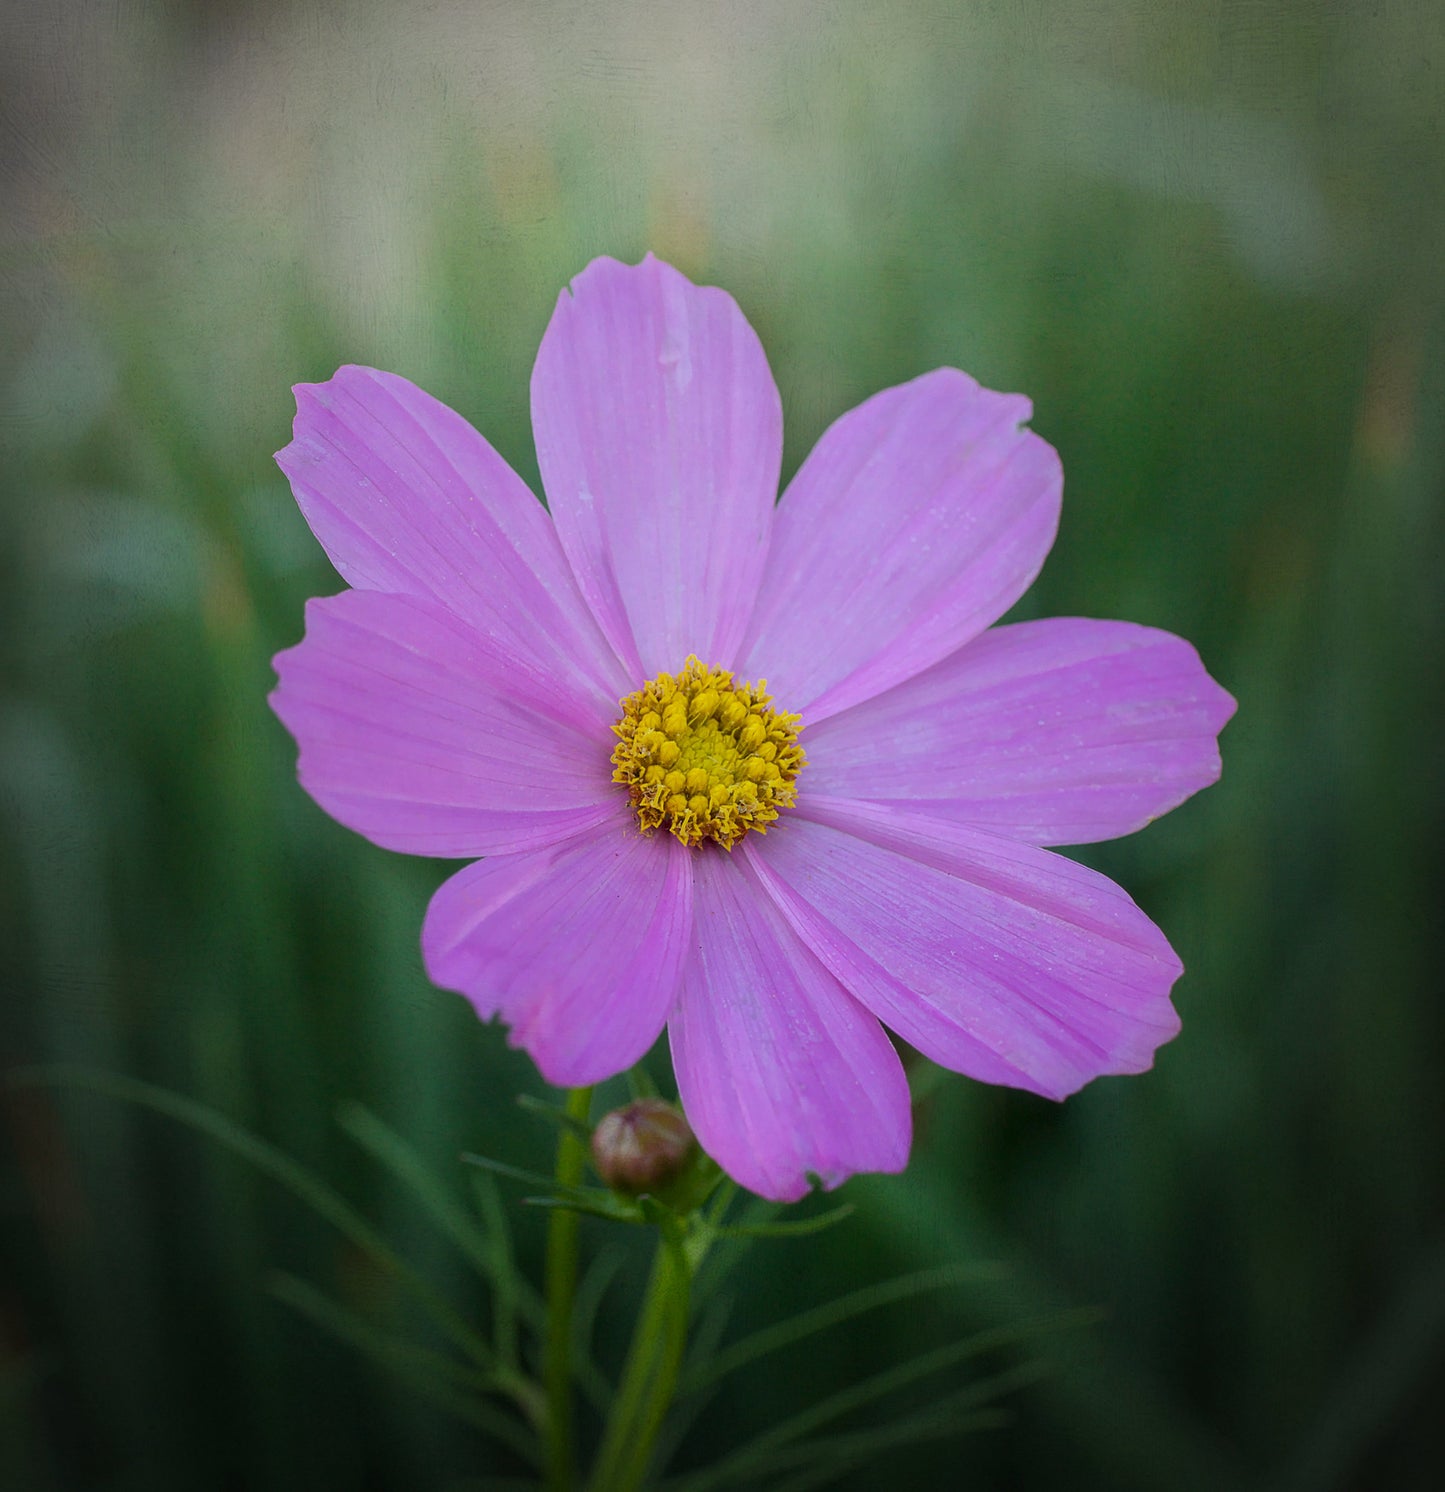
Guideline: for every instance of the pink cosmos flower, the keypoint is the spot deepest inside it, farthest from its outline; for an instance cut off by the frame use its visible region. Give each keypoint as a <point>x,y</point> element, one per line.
<point>770,874</point>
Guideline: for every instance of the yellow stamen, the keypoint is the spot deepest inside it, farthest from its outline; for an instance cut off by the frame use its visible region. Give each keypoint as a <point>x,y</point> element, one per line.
<point>706,758</point>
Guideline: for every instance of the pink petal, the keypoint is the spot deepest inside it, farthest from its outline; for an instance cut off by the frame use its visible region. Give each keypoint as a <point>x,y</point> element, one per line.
<point>994,958</point>
<point>1057,732</point>
<point>780,1071</point>
<point>407,498</point>
<point>659,433</point>
<point>578,948</point>
<point>919,518</point>
<point>421,735</point>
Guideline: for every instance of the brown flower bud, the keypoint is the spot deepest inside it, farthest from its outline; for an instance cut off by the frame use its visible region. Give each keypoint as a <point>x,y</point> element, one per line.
<point>642,1146</point>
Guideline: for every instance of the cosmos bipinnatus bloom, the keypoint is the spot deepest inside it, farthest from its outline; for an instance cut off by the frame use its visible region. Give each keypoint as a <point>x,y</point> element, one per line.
<point>760,773</point>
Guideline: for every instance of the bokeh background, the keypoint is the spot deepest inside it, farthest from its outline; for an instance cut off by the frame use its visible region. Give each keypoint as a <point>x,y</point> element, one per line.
<point>1206,239</point>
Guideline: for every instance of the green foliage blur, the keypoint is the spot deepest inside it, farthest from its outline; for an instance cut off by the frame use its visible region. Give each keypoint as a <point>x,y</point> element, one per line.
<point>1206,240</point>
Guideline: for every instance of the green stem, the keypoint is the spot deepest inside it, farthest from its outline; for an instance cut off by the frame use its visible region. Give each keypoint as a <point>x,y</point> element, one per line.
<point>654,1361</point>
<point>561,1291</point>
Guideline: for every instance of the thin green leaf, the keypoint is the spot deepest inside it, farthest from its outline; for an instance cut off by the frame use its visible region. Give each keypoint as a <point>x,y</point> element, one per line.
<point>279,1166</point>
<point>803,1228</point>
<point>392,1152</point>
<point>722,1199</point>
<point>744,1462</point>
<point>826,1457</point>
<point>555,1116</point>
<point>456,1389</point>
<point>501,1168</point>
<point>514,1294</point>
<point>722,1261</point>
<point>594,1200</point>
<point>708,1330</point>
<point>712,1271</point>
<point>611,1209</point>
<point>591,1289</point>
<point>833,1313</point>
<point>827,1464</point>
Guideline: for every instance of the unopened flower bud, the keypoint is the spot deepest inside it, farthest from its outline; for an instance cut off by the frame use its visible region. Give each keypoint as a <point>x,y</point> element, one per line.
<point>642,1146</point>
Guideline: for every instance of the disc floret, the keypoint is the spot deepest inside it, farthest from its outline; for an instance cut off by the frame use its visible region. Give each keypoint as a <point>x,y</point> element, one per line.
<point>704,757</point>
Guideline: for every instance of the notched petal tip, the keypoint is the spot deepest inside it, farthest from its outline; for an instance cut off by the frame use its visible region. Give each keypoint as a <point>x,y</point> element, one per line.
<point>658,430</point>
<point>956,383</point>
<point>1224,705</point>
<point>605,266</point>
<point>914,523</point>
<point>347,375</point>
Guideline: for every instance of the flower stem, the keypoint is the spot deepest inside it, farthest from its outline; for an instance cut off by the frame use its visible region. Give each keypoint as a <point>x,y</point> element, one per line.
<point>650,1377</point>
<point>561,1291</point>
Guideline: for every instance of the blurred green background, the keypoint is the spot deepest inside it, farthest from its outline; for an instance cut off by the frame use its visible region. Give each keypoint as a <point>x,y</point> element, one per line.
<point>1207,241</point>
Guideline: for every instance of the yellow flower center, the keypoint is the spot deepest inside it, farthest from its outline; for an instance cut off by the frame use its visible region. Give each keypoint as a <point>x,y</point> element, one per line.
<point>704,757</point>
